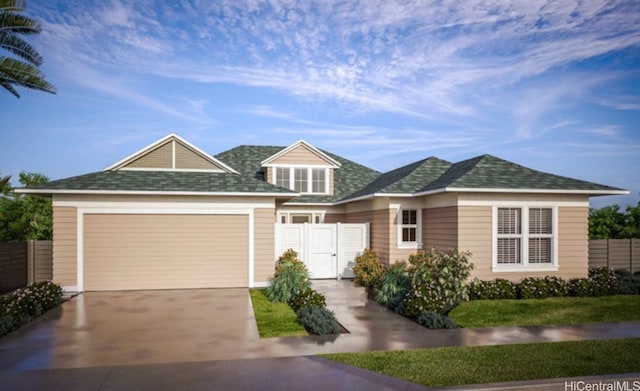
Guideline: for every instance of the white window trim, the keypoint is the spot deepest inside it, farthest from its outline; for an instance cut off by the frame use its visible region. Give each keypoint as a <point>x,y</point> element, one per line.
<point>409,245</point>
<point>313,214</point>
<point>524,241</point>
<point>274,177</point>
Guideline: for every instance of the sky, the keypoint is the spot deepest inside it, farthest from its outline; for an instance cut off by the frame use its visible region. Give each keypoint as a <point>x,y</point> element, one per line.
<point>552,85</point>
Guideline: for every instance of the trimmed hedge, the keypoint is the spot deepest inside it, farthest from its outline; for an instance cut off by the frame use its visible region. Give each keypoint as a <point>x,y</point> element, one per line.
<point>26,304</point>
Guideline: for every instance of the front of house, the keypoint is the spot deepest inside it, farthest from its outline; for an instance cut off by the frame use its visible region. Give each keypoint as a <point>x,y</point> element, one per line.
<point>171,216</point>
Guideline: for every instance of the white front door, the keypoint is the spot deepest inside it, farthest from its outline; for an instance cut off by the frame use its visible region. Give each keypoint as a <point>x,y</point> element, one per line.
<point>322,247</point>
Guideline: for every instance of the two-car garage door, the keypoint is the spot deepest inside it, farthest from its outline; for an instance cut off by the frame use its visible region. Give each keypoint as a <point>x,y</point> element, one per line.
<point>165,251</point>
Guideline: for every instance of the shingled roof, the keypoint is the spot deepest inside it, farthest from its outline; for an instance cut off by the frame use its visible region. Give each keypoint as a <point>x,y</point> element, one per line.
<point>162,181</point>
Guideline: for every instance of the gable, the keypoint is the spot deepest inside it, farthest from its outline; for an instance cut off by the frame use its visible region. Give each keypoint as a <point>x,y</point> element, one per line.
<point>171,153</point>
<point>301,153</point>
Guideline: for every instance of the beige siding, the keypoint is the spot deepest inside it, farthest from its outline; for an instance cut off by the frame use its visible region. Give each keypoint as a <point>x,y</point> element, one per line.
<point>187,159</point>
<point>475,235</point>
<point>300,155</point>
<point>332,218</point>
<point>161,157</point>
<point>65,246</point>
<point>331,176</point>
<point>379,229</point>
<point>165,251</point>
<point>440,228</point>
<point>264,242</point>
<point>269,174</point>
<point>573,242</point>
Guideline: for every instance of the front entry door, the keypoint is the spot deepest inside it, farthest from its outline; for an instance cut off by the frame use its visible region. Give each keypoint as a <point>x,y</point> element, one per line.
<point>322,250</point>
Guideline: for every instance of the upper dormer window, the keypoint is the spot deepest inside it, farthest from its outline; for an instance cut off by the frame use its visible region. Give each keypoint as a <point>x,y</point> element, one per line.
<point>303,179</point>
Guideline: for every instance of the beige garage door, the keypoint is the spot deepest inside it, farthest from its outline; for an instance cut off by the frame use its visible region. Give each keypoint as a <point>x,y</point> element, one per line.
<point>143,251</point>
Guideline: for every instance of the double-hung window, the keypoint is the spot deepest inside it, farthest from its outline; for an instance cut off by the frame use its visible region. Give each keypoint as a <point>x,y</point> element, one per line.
<point>302,179</point>
<point>524,237</point>
<point>408,228</point>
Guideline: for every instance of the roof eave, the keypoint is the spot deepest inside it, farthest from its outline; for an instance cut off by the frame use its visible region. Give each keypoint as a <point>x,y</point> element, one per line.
<point>150,192</point>
<point>507,190</point>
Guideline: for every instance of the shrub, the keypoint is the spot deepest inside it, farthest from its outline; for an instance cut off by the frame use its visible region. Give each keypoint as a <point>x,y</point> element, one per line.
<point>437,282</point>
<point>308,298</point>
<point>628,283</point>
<point>394,287</point>
<point>318,320</point>
<point>433,320</point>
<point>291,277</point>
<point>368,270</point>
<point>604,280</point>
<point>492,290</point>
<point>25,304</point>
<point>580,287</point>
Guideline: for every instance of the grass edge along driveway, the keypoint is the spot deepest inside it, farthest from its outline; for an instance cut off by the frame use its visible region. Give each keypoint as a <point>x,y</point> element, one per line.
<point>441,367</point>
<point>556,310</point>
<point>274,319</point>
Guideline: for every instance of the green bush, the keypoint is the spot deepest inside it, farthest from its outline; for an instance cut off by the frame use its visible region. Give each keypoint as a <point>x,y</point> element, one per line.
<point>628,283</point>
<point>605,282</point>
<point>433,320</point>
<point>437,281</point>
<point>498,289</point>
<point>290,278</point>
<point>25,304</point>
<point>308,298</point>
<point>368,270</point>
<point>542,287</point>
<point>318,320</point>
<point>581,287</point>
<point>394,287</point>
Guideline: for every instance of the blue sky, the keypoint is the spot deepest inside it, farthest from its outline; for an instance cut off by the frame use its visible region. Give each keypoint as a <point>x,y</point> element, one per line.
<point>553,85</point>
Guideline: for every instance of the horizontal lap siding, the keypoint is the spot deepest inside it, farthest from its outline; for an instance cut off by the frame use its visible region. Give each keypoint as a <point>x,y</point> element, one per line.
<point>379,229</point>
<point>165,251</point>
<point>65,246</point>
<point>187,159</point>
<point>161,157</point>
<point>474,235</point>
<point>440,228</point>
<point>300,155</point>
<point>334,218</point>
<point>264,242</point>
<point>573,242</point>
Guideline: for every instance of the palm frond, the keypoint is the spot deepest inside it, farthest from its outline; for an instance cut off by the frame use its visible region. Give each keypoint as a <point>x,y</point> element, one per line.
<point>13,71</point>
<point>13,5</point>
<point>19,47</point>
<point>16,23</point>
<point>9,87</point>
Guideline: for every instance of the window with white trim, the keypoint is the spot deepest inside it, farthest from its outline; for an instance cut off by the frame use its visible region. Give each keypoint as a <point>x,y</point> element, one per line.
<point>525,237</point>
<point>300,217</point>
<point>408,228</point>
<point>314,180</point>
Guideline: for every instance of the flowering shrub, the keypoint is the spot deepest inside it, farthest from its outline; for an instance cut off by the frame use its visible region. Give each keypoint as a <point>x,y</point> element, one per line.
<point>27,303</point>
<point>497,289</point>
<point>291,277</point>
<point>308,298</point>
<point>368,270</point>
<point>604,280</point>
<point>437,281</point>
<point>542,287</point>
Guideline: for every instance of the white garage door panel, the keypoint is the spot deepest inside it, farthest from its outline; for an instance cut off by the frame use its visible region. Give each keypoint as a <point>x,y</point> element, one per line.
<point>129,251</point>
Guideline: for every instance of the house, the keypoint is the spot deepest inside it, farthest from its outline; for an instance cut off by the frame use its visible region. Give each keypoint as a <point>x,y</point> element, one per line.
<point>172,216</point>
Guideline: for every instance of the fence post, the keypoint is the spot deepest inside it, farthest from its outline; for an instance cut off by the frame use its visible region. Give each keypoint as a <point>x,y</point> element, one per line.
<point>31,261</point>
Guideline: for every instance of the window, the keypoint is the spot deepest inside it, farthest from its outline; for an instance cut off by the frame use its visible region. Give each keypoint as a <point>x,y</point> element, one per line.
<point>524,237</point>
<point>318,183</point>
<point>282,177</point>
<point>408,228</point>
<point>302,179</point>
<point>301,217</point>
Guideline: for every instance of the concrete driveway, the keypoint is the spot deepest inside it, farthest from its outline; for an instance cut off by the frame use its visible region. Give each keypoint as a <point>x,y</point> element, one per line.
<point>100,329</point>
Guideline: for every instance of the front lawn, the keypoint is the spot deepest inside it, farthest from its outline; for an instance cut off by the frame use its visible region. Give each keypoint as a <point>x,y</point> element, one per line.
<point>274,319</point>
<point>492,364</point>
<point>557,310</point>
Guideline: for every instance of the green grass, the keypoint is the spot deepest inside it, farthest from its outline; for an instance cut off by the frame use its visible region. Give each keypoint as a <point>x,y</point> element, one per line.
<point>274,319</point>
<point>492,364</point>
<point>557,310</point>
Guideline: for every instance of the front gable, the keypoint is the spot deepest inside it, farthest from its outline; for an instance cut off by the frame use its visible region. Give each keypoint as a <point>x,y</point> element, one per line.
<point>171,153</point>
<point>300,154</point>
